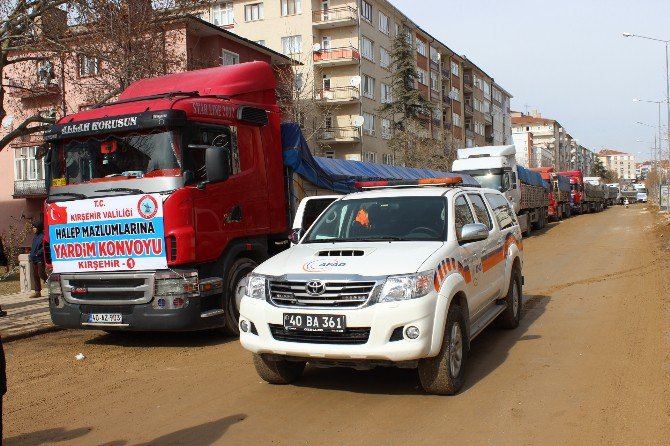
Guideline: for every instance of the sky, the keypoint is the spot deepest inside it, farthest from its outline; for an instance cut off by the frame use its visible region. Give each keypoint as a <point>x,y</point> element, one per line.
<point>567,59</point>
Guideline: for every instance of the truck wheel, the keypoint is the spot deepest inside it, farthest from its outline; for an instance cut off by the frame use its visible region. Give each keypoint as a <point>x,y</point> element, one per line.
<point>443,374</point>
<point>278,371</point>
<point>235,287</point>
<point>512,315</point>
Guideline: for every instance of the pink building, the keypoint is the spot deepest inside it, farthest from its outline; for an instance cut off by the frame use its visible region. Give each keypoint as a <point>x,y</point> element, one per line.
<point>58,87</point>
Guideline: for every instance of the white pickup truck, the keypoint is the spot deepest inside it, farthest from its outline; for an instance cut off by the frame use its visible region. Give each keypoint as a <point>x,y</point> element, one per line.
<point>400,276</point>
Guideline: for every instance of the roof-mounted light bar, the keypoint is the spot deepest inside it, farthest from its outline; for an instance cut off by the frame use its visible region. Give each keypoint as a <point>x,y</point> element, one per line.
<point>446,182</point>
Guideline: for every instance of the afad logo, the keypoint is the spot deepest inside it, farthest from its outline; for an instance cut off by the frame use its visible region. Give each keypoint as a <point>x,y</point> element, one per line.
<point>56,215</point>
<point>321,265</point>
<point>147,207</point>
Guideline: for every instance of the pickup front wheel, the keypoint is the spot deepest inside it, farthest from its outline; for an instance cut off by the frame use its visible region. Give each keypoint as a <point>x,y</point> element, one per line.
<point>443,374</point>
<point>278,371</point>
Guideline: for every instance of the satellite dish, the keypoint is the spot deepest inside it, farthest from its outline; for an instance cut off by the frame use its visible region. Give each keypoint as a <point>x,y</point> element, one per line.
<point>7,121</point>
<point>355,81</point>
<point>358,121</point>
<point>316,47</point>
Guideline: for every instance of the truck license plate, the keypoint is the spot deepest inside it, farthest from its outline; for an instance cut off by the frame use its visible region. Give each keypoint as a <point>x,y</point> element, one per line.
<point>315,322</point>
<point>104,318</point>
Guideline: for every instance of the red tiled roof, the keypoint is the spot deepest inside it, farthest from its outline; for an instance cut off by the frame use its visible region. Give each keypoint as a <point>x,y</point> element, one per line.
<point>607,152</point>
<point>529,120</point>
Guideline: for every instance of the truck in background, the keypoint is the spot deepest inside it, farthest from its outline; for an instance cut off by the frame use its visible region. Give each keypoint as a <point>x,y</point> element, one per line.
<point>585,197</point>
<point>495,167</point>
<point>559,192</point>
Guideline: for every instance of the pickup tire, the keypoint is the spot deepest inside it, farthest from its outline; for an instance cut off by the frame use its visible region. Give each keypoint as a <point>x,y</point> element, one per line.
<point>512,315</point>
<point>443,374</point>
<point>278,371</point>
<point>234,287</point>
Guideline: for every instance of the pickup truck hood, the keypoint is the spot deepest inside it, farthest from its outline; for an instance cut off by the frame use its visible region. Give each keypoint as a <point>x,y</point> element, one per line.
<point>377,259</point>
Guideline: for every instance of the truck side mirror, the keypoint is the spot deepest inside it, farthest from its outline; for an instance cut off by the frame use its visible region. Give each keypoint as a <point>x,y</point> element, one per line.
<point>217,160</point>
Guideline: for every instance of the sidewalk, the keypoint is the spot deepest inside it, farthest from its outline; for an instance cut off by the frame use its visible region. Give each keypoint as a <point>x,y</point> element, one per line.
<point>26,316</point>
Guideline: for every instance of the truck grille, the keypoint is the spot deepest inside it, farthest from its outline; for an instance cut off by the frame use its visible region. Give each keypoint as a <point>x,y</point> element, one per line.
<point>336,294</point>
<point>107,288</point>
<point>352,336</point>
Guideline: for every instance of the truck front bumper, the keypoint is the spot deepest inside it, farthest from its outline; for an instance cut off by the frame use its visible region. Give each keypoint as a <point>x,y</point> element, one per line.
<point>386,323</point>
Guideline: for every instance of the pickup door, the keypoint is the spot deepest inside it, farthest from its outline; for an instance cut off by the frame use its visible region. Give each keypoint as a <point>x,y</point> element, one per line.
<point>493,265</point>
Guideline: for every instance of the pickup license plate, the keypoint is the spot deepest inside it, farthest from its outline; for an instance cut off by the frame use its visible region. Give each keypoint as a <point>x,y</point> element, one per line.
<point>104,318</point>
<point>315,322</point>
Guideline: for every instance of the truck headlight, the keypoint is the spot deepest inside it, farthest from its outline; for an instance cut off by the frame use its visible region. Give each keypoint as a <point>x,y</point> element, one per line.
<point>257,286</point>
<point>409,286</point>
<point>171,284</point>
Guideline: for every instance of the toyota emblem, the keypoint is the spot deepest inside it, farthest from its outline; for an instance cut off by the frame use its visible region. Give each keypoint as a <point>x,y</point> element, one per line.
<point>315,288</point>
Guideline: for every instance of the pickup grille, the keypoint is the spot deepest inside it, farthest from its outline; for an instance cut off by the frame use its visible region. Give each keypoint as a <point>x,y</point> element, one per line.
<point>352,336</point>
<point>337,294</point>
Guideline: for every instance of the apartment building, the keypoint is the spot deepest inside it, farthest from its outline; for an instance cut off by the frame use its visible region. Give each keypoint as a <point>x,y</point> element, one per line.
<point>58,87</point>
<point>529,153</point>
<point>345,48</point>
<point>622,164</point>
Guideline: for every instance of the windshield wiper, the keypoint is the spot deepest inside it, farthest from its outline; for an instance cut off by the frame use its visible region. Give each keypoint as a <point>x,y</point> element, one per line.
<point>128,190</point>
<point>74,195</point>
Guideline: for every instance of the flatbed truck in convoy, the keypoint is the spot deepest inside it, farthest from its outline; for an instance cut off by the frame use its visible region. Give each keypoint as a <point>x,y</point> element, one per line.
<point>559,192</point>
<point>585,196</point>
<point>161,203</point>
<point>400,274</point>
<point>496,167</point>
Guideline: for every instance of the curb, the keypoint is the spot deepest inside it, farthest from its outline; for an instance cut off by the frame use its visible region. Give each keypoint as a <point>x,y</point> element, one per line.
<point>30,333</point>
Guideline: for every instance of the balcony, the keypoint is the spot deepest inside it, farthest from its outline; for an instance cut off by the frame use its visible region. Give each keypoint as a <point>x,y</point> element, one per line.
<point>335,17</point>
<point>336,135</point>
<point>33,91</point>
<point>337,95</point>
<point>467,82</point>
<point>469,110</point>
<point>445,72</point>
<point>337,56</point>
<point>469,133</point>
<point>447,126</point>
<point>446,100</point>
<point>30,188</point>
<point>434,64</point>
<point>488,117</point>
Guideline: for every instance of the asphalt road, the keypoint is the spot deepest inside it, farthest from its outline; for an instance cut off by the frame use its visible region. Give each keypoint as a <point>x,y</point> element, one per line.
<point>588,365</point>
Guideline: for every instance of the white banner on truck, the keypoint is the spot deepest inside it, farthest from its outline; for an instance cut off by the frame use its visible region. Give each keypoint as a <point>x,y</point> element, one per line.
<point>122,233</point>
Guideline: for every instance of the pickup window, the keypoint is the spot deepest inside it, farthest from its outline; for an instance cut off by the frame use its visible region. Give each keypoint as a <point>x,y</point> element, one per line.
<point>462,214</point>
<point>502,211</point>
<point>381,218</point>
<point>480,210</point>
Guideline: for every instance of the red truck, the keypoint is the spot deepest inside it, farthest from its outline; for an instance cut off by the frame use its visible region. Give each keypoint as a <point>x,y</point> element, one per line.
<point>161,203</point>
<point>584,197</point>
<point>559,192</point>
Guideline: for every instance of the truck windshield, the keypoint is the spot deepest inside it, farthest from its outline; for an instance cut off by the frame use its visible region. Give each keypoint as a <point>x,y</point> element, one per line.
<point>101,158</point>
<point>381,219</point>
<point>490,179</point>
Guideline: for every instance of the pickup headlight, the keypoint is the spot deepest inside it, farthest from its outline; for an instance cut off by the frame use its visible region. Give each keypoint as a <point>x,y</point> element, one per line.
<point>410,286</point>
<point>256,286</point>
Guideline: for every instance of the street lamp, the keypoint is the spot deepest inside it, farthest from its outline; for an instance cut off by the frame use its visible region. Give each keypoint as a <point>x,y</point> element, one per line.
<point>660,139</point>
<point>667,76</point>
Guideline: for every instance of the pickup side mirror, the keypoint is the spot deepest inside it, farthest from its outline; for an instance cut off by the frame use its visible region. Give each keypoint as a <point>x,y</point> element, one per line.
<point>295,235</point>
<point>217,160</point>
<point>473,232</point>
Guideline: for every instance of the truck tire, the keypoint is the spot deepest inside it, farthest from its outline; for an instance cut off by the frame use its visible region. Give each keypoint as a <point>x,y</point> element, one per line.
<point>278,371</point>
<point>443,374</point>
<point>233,291</point>
<point>512,315</point>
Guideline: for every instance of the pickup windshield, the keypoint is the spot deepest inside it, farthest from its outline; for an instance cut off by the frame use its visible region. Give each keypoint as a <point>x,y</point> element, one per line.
<point>101,158</point>
<point>381,219</point>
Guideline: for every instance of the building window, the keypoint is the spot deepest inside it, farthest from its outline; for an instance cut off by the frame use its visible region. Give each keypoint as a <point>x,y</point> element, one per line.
<point>290,7</point>
<point>366,11</point>
<point>222,14</point>
<point>434,81</point>
<point>384,23</point>
<point>434,54</point>
<point>386,94</point>
<point>229,58</point>
<point>456,119</point>
<point>370,157</point>
<point>369,126</point>
<point>455,94</point>
<point>422,76</point>
<point>368,86</point>
<point>88,66</point>
<point>330,154</point>
<point>367,48</point>
<point>421,47</point>
<point>384,58</point>
<point>454,68</point>
<point>26,166</point>
<point>291,44</point>
<point>386,131</point>
<point>387,158</point>
<point>253,12</point>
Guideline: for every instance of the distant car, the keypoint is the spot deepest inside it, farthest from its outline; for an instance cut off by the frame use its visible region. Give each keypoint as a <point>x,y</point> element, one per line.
<point>641,197</point>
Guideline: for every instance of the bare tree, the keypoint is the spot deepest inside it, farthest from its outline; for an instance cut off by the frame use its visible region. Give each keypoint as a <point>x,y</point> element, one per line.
<point>413,146</point>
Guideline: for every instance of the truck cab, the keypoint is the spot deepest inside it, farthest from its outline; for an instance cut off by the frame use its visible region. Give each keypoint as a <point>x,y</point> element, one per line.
<point>400,274</point>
